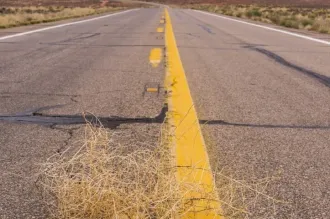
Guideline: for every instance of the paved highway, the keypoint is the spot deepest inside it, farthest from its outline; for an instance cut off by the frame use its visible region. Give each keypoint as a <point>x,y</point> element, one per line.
<point>266,98</point>
<point>262,96</point>
<point>101,67</point>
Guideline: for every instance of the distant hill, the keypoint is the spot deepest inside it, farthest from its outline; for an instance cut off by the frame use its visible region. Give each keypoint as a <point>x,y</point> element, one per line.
<point>82,3</point>
<point>307,3</point>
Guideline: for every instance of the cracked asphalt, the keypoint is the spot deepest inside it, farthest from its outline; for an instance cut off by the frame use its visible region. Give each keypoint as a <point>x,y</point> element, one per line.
<point>51,77</point>
<point>263,99</point>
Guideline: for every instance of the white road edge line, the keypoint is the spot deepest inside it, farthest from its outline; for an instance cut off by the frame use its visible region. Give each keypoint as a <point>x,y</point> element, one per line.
<point>267,28</point>
<point>63,25</point>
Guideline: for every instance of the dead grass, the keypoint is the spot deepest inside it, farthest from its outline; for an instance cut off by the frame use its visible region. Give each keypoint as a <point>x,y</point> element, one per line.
<point>12,17</point>
<point>240,198</point>
<point>315,19</point>
<point>104,179</point>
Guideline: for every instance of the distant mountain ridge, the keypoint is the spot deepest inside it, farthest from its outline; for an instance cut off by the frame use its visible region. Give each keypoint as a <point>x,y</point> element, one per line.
<point>307,3</point>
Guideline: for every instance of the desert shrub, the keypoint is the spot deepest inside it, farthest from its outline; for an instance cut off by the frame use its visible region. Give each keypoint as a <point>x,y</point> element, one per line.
<point>229,13</point>
<point>289,23</point>
<point>316,26</point>
<point>256,12</point>
<point>239,14</point>
<point>306,22</point>
<point>34,15</point>
<point>311,16</point>
<point>276,19</point>
<point>298,18</point>
<point>248,14</point>
<point>253,13</point>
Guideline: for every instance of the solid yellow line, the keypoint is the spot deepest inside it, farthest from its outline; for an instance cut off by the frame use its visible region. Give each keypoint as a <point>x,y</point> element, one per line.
<point>201,200</point>
<point>155,56</point>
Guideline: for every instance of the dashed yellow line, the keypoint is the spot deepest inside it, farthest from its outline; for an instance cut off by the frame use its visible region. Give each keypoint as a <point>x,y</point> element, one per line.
<point>152,90</point>
<point>160,30</point>
<point>155,56</point>
<point>201,200</point>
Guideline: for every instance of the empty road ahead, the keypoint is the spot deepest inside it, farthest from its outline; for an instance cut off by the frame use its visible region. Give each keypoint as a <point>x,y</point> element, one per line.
<point>262,97</point>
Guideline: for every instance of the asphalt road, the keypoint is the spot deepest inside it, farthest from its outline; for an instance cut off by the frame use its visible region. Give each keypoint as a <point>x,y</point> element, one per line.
<point>49,78</point>
<point>263,96</point>
<point>266,112</point>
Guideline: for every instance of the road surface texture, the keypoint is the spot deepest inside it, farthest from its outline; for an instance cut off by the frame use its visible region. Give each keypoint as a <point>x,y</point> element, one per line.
<point>49,78</point>
<point>265,99</point>
<point>263,96</point>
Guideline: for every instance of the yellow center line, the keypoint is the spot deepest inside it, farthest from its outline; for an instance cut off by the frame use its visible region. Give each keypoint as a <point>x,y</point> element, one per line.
<point>160,30</point>
<point>201,200</point>
<point>152,89</point>
<point>155,56</point>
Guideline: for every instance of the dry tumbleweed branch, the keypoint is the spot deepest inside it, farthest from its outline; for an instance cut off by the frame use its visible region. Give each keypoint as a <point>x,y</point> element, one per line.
<point>104,179</point>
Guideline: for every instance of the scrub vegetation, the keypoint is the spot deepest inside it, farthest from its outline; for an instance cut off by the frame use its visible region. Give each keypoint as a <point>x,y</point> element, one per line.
<point>18,16</point>
<point>64,3</point>
<point>314,19</point>
<point>18,12</point>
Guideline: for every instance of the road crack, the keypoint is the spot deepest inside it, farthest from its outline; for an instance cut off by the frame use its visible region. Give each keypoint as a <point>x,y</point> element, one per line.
<point>34,116</point>
<point>321,78</point>
<point>69,132</point>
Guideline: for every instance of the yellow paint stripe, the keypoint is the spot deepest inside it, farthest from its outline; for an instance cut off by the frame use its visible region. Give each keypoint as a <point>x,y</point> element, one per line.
<point>160,30</point>
<point>155,56</point>
<point>201,200</point>
<point>162,21</point>
<point>152,89</point>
